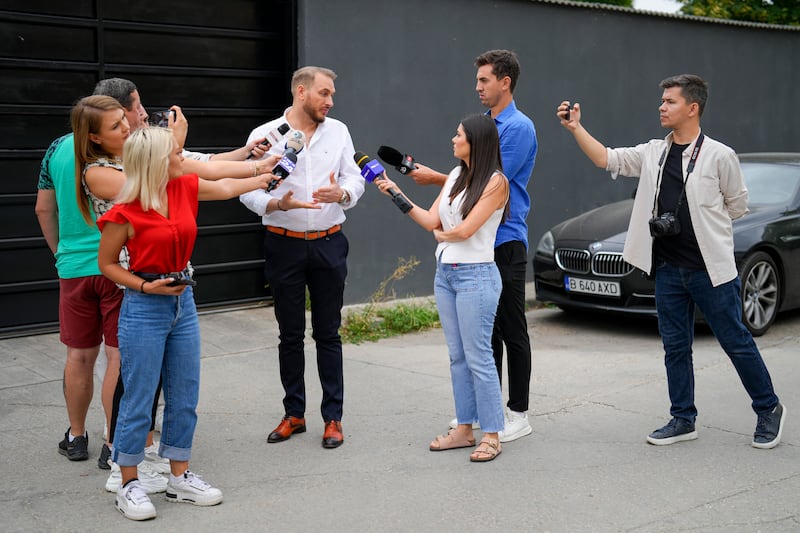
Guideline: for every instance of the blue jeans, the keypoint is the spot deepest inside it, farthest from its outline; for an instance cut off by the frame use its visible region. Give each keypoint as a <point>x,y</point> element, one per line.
<point>467,296</point>
<point>677,292</point>
<point>159,338</point>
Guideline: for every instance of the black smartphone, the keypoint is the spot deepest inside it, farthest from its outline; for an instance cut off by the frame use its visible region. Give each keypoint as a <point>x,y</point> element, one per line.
<point>179,278</point>
<point>566,116</point>
<point>184,281</point>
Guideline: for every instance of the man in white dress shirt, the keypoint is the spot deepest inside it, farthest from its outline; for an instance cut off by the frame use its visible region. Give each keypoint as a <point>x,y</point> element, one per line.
<point>307,248</point>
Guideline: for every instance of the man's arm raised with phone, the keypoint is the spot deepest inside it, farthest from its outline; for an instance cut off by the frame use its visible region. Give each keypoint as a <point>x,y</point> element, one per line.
<point>571,120</point>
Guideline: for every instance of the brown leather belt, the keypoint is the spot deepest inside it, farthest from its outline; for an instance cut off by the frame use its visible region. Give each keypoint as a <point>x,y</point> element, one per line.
<point>305,235</point>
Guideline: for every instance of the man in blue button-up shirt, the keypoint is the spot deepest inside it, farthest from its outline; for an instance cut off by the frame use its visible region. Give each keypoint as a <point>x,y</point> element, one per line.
<point>497,75</point>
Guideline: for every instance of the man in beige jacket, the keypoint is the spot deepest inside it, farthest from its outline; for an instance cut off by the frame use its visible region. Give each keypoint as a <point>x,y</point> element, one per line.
<point>690,190</point>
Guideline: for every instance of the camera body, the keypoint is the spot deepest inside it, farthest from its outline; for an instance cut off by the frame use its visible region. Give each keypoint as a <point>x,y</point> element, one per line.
<point>665,225</point>
<point>161,118</point>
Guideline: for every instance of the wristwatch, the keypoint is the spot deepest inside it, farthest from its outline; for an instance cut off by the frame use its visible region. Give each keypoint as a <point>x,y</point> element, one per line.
<point>345,197</point>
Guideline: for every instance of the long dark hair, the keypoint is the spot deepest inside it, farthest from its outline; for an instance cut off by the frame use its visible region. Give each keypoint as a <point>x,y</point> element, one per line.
<point>484,161</point>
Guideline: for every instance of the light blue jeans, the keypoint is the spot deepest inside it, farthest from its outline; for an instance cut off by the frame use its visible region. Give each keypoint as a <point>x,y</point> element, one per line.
<point>467,296</point>
<point>159,337</point>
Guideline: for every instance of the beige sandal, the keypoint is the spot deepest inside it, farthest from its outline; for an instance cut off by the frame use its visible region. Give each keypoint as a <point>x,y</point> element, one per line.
<point>450,442</point>
<point>486,451</point>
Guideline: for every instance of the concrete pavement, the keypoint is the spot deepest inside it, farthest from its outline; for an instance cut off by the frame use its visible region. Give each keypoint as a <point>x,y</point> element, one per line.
<point>598,390</point>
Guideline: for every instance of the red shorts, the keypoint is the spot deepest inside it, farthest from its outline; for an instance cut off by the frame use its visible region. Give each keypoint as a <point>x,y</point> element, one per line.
<point>88,310</point>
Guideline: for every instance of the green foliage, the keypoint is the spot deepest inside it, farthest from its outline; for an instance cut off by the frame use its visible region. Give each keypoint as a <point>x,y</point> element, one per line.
<point>408,317</point>
<point>785,12</point>
<point>379,323</point>
<point>375,321</point>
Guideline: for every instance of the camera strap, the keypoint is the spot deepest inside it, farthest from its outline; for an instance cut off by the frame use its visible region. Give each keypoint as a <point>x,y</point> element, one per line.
<point>689,169</point>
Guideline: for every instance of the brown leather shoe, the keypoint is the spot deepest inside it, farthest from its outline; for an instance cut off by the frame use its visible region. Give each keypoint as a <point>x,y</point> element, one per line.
<point>288,427</point>
<point>332,438</point>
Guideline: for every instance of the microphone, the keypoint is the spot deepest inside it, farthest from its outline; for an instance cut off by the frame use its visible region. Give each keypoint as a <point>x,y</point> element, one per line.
<point>403,163</point>
<point>371,170</point>
<point>289,160</point>
<point>295,143</point>
<point>274,136</point>
<point>284,167</point>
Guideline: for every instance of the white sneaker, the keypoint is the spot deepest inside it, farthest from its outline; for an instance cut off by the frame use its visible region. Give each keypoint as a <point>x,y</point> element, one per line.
<point>132,501</point>
<point>154,461</point>
<point>454,424</point>
<point>191,489</point>
<point>151,482</point>
<point>159,420</point>
<point>516,426</point>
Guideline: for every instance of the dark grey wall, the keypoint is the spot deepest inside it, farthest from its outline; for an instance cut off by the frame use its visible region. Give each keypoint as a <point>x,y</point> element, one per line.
<point>406,78</point>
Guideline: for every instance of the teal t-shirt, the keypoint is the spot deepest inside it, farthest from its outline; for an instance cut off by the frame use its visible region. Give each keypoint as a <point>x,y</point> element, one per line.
<point>78,241</point>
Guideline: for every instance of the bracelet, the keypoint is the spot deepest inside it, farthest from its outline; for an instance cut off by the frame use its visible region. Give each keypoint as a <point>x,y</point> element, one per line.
<point>255,169</point>
<point>279,205</point>
<point>141,287</point>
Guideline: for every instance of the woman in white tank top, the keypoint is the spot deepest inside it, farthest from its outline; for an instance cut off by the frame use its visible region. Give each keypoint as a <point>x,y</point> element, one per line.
<point>464,220</point>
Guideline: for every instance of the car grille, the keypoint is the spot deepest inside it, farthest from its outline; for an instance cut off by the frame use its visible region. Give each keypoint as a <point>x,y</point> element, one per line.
<point>576,261</point>
<point>601,264</point>
<point>610,264</point>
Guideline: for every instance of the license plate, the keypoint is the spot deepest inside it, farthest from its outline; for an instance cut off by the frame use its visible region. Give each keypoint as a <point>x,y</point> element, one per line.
<point>592,286</point>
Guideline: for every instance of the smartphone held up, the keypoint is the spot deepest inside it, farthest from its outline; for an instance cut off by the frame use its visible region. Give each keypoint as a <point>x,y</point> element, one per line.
<point>161,118</point>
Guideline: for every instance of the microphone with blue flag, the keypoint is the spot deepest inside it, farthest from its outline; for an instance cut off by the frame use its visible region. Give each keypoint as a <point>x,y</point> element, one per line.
<point>371,170</point>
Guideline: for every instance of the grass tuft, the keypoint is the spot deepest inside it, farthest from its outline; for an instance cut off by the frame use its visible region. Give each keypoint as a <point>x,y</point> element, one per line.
<point>377,320</point>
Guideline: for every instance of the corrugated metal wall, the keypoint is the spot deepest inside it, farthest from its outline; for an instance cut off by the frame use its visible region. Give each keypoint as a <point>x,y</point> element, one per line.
<point>227,63</point>
<point>406,78</point>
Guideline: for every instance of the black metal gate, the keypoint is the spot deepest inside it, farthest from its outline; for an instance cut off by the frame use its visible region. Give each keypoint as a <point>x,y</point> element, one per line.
<point>227,63</point>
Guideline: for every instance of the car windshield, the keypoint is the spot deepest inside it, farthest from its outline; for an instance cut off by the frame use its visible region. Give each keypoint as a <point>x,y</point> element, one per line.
<point>770,183</point>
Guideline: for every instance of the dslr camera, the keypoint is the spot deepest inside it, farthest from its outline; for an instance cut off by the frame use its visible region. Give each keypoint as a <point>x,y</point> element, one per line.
<point>665,225</point>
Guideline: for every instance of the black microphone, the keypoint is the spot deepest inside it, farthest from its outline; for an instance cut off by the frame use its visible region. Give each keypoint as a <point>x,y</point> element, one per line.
<point>273,137</point>
<point>371,170</point>
<point>284,167</point>
<point>391,156</point>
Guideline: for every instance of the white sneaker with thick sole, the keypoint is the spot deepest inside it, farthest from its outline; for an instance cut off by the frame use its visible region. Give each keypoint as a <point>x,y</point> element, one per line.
<point>132,501</point>
<point>158,423</point>
<point>151,482</point>
<point>516,426</point>
<point>154,461</point>
<point>190,488</point>
<point>454,424</point>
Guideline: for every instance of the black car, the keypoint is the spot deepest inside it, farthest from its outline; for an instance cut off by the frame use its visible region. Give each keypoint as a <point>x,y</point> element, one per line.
<point>578,263</point>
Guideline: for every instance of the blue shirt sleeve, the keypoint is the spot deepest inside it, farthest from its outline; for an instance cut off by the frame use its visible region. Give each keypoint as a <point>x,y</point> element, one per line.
<point>517,146</point>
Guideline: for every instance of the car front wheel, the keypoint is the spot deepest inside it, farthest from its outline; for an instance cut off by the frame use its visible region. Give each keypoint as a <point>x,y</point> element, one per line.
<point>761,292</point>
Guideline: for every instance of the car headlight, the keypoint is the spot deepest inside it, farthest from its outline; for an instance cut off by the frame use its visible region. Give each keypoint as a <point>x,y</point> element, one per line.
<point>546,245</point>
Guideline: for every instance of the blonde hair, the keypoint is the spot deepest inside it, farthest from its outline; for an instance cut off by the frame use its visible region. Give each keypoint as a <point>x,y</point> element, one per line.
<point>146,159</point>
<point>305,76</point>
<point>87,118</point>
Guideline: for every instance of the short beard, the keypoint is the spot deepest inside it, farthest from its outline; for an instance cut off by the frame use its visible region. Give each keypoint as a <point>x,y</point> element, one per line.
<point>313,114</point>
